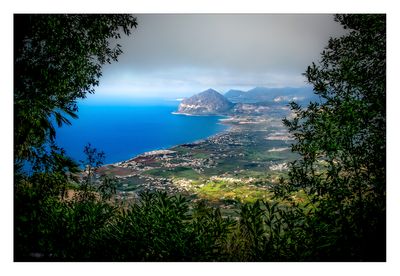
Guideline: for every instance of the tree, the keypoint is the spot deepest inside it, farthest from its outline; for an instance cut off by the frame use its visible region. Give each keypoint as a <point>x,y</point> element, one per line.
<point>342,143</point>
<point>57,60</point>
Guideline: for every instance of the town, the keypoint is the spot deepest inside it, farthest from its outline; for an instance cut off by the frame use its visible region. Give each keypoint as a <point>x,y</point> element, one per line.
<point>238,164</point>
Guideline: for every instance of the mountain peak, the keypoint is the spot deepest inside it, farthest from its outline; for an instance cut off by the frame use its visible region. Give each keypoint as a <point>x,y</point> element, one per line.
<point>210,90</point>
<point>205,103</point>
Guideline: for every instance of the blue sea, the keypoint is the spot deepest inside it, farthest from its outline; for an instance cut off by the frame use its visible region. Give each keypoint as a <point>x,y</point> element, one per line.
<point>125,129</point>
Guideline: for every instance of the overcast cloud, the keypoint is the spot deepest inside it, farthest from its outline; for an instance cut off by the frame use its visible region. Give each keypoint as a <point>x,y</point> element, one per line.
<point>172,55</point>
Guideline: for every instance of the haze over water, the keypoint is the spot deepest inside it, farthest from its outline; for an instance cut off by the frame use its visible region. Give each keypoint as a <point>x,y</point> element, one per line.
<point>124,130</point>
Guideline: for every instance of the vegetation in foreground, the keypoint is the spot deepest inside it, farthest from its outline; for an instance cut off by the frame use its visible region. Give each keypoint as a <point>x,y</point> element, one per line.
<point>160,228</point>
<point>341,170</point>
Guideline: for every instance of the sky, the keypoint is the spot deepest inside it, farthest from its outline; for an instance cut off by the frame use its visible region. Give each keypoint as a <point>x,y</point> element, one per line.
<point>178,55</point>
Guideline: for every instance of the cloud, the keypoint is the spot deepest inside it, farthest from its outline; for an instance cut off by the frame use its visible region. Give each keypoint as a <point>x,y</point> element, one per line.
<point>178,82</point>
<point>191,52</point>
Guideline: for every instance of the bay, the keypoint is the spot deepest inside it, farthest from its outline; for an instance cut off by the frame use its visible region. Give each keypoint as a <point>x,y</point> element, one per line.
<point>125,129</point>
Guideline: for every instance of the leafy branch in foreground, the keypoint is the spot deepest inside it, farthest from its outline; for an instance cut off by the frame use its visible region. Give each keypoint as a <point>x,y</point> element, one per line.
<point>342,142</point>
<point>58,60</point>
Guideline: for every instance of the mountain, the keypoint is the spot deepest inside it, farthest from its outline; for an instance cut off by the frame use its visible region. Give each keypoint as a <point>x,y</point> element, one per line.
<point>272,95</point>
<point>256,101</point>
<point>208,102</point>
<point>233,93</point>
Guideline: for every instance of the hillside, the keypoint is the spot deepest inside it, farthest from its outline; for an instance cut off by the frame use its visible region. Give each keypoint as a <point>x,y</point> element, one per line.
<point>208,102</point>
<point>272,95</point>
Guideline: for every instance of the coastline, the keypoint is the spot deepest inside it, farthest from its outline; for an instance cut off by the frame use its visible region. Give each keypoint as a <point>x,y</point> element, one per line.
<point>197,115</point>
<point>222,121</point>
<point>126,131</point>
<point>240,152</point>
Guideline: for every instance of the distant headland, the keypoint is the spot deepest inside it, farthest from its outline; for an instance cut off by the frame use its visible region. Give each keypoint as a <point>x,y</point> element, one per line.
<point>234,102</point>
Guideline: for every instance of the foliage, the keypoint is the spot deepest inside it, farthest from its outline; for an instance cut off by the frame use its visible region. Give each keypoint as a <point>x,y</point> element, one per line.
<point>210,233</point>
<point>58,59</point>
<point>342,144</point>
<point>158,228</point>
<point>49,224</point>
<point>341,172</point>
<point>153,229</point>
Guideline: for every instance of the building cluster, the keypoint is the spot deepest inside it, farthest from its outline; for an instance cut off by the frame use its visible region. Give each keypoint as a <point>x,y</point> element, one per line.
<point>159,170</point>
